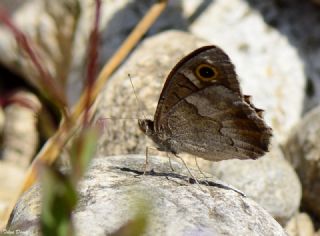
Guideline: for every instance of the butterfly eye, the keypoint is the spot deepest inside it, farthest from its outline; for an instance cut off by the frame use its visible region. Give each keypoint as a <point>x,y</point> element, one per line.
<point>206,72</point>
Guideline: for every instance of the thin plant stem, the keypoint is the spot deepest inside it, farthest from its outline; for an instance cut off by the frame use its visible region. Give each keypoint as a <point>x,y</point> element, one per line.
<point>93,58</point>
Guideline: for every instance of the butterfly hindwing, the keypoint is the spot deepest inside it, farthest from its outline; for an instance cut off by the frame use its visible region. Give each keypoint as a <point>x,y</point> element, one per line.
<point>219,128</point>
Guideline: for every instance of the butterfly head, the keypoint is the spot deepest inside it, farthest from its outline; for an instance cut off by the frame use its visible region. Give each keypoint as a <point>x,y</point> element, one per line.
<point>146,126</point>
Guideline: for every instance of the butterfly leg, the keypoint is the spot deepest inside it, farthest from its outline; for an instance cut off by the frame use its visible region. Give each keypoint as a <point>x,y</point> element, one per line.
<point>170,163</point>
<point>195,159</point>
<point>185,164</point>
<point>146,162</point>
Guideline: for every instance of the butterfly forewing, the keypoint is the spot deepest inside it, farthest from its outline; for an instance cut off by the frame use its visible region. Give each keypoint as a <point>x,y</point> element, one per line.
<point>181,81</point>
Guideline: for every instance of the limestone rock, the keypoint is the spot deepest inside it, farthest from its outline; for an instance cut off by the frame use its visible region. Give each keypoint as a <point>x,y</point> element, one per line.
<point>19,142</point>
<point>300,225</point>
<point>109,192</point>
<point>303,152</point>
<point>20,132</point>
<point>11,177</point>
<point>266,62</point>
<point>270,181</point>
<point>282,16</point>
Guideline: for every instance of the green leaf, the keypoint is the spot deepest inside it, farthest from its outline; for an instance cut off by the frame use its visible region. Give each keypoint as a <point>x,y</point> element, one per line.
<point>59,199</point>
<point>82,150</point>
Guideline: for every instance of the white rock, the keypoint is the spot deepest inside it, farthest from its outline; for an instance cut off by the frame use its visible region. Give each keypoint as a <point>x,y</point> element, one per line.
<point>301,33</point>
<point>113,185</point>
<point>303,152</point>
<point>11,177</point>
<point>300,225</point>
<point>271,181</point>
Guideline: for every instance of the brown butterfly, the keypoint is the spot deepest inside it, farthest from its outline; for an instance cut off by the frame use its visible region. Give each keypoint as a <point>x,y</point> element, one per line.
<point>202,111</point>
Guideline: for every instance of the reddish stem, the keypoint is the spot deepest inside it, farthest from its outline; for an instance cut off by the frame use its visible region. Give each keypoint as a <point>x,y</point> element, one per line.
<point>22,40</point>
<point>92,59</point>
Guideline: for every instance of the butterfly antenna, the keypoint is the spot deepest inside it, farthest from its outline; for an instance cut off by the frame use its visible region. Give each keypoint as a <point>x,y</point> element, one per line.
<point>138,101</point>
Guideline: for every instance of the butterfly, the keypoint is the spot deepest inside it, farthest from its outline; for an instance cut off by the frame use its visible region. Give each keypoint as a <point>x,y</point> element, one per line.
<point>202,111</point>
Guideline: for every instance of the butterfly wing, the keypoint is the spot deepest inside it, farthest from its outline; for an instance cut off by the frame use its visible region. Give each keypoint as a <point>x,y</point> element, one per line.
<point>203,111</point>
<point>181,81</point>
<point>215,124</point>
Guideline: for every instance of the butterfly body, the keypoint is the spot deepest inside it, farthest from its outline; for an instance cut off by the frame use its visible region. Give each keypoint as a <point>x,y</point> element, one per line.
<point>202,111</point>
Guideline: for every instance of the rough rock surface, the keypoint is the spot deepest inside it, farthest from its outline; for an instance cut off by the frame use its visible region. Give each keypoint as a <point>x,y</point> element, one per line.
<point>302,150</point>
<point>113,185</point>
<point>271,181</point>
<point>266,61</point>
